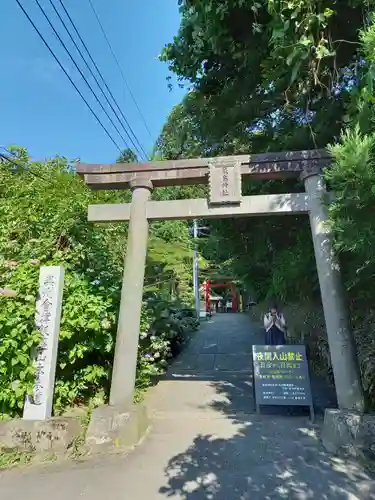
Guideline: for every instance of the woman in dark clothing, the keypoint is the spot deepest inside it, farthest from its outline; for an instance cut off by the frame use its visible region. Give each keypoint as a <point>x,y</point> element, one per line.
<point>275,326</point>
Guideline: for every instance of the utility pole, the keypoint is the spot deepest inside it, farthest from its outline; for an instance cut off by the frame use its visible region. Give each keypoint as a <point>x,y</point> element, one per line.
<point>195,270</point>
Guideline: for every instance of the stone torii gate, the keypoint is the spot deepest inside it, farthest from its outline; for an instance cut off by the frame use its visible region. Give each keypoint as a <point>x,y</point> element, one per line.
<point>223,175</point>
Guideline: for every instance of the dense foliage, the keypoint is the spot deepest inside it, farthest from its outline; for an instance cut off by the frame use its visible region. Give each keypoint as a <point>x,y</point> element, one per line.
<point>43,214</point>
<point>269,76</point>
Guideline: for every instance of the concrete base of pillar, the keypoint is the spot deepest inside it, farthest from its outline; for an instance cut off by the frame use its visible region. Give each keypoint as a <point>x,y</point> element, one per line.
<point>347,432</point>
<point>113,428</point>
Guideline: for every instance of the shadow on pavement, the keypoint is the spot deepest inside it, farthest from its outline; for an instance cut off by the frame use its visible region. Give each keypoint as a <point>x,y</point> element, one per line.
<point>264,460</point>
<point>269,456</point>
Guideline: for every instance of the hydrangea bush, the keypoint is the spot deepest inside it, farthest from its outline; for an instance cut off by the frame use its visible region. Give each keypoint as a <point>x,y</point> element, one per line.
<point>164,330</point>
<point>43,221</point>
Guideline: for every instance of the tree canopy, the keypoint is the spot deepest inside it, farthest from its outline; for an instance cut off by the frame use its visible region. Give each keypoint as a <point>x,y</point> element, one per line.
<point>127,156</point>
<point>259,61</point>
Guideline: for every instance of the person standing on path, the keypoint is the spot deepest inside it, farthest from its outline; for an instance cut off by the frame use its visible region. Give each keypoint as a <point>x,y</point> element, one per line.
<point>275,326</point>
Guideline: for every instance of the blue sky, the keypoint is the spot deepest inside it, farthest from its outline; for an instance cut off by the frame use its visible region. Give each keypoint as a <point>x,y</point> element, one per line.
<point>41,110</point>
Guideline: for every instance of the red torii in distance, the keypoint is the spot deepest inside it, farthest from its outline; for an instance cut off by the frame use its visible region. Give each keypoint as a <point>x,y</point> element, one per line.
<point>207,289</point>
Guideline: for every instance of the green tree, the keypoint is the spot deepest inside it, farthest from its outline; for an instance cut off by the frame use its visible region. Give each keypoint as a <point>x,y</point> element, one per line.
<point>127,156</point>
<point>246,61</point>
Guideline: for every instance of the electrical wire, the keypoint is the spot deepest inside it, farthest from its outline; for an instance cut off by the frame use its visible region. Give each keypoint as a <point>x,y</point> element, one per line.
<point>24,167</point>
<point>67,75</point>
<point>90,70</point>
<point>119,67</point>
<point>99,73</point>
<point>80,72</point>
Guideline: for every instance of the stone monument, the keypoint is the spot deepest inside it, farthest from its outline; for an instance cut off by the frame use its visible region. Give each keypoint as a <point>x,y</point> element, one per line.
<point>38,406</point>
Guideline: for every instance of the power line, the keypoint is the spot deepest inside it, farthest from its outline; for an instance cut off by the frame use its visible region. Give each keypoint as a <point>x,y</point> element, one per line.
<point>99,72</point>
<point>119,67</point>
<point>24,167</point>
<point>80,72</point>
<point>93,75</point>
<point>68,76</point>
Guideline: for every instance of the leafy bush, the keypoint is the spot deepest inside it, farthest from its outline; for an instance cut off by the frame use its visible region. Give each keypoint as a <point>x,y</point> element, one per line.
<point>43,221</point>
<point>163,333</point>
<point>18,338</point>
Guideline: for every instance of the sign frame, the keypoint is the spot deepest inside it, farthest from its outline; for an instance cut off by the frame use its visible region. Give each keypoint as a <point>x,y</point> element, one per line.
<point>224,181</point>
<point>279,369</point>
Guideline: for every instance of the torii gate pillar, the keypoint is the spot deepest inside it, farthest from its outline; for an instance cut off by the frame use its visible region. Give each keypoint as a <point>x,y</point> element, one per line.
<point>341,343</point>
<point>126,349</point>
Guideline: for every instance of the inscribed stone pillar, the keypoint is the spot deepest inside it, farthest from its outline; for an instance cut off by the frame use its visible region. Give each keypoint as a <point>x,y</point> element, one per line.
<point>342,348</point>
<point>126,350</point>
<point>38,406</point>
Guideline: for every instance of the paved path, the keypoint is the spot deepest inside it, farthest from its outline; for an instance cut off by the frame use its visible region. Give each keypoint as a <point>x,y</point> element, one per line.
<point>206,441</point>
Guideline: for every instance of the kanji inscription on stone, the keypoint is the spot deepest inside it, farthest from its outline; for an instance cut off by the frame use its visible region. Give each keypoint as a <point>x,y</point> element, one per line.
<point>38,406</point>
<point>224,182</point>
